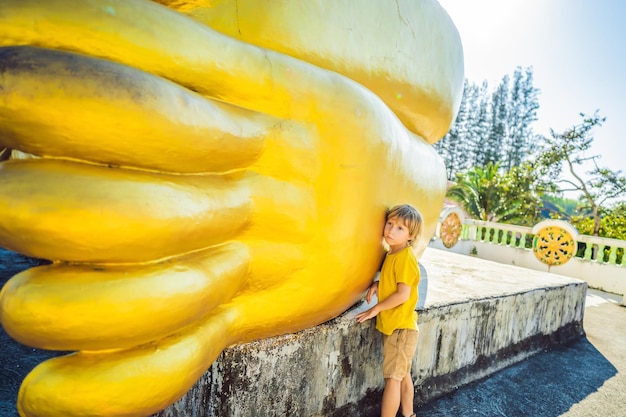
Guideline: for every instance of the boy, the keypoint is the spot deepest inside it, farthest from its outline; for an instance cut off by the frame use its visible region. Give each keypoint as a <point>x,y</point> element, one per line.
<point>395,312</point>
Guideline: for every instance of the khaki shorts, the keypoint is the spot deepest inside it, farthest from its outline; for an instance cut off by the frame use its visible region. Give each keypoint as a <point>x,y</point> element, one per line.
<point>398,350</point>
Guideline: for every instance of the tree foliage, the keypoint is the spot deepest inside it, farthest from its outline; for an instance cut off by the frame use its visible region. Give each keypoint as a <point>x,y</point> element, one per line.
<point>488,194</point>
<point>562,163</point>
<point>522,112</point>
<point>489,148</point>
<point>451,146</point>
<point>558,207</point>
<point>612,223</point>
<point>492,127</point>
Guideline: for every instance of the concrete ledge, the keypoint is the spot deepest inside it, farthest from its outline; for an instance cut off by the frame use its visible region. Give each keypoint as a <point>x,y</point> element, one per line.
<point>479,317</point>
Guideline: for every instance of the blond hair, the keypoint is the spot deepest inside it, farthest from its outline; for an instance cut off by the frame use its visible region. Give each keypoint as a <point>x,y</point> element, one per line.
<point>411,218</point>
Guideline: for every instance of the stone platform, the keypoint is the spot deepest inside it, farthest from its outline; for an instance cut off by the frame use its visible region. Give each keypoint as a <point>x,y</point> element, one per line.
<point>478,317</point>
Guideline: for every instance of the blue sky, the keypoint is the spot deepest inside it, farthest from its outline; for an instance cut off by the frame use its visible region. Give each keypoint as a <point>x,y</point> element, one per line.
<point>577,49</point>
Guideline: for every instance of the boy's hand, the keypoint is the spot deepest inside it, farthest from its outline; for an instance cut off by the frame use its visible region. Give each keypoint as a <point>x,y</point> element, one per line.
<point>368,314</point>
<point>373,289</point>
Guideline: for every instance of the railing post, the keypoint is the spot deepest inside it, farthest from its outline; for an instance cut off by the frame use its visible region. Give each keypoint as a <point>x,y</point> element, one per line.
<point>494,236</point>
<point>600,253</point>
<point>588,251</point>
<point>472,232</point>
<point>613,255</point>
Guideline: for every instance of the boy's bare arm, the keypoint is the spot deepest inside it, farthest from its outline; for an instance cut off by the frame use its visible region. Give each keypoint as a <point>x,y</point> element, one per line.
<point>400,296</point>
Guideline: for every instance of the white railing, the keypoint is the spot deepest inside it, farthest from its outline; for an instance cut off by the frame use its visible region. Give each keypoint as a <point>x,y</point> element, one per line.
<point>601,262</point>
<point>497,233</point>
<point>590,248</point>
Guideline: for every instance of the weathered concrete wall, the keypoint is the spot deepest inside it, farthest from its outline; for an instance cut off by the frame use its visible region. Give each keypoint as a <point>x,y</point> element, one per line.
<point>478,318</point>
<point>310,373</point>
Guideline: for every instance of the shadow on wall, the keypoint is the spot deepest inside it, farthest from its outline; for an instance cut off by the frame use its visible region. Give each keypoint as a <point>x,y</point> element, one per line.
<point>422,290</point>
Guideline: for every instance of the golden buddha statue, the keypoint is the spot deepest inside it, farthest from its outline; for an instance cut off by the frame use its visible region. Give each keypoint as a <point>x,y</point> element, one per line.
<point>206,173</point>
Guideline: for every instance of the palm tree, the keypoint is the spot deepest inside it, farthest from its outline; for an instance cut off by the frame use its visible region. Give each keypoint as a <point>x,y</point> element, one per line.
<point>487,194</point>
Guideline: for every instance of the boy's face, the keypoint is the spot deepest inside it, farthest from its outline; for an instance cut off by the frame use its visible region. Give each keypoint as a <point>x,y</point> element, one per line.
<point>396,234</point>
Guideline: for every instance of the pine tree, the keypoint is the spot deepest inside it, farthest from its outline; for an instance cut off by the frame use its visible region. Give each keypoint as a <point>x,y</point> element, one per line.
<point>481,125</point>
<point>451,146</point>
<point>522,112</point>
<point>492,127</point>
<point>496,141</point>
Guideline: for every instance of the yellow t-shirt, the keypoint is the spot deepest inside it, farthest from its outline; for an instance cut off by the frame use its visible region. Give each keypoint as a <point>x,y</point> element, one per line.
<point>400,267</point>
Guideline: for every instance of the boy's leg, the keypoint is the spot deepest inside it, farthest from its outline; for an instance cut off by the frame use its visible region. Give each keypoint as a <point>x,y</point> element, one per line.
<point>391,398</point>
<point>407,392</point>
<point>398,351</point>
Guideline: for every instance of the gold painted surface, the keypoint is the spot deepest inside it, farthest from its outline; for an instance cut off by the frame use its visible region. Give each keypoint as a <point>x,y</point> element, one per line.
<point>418,82</point>
<point>197,189</point>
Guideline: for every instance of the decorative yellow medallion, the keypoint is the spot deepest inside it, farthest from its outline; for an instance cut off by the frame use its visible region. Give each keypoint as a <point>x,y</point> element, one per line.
<point>450,230</point>
<point>554,245</point>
